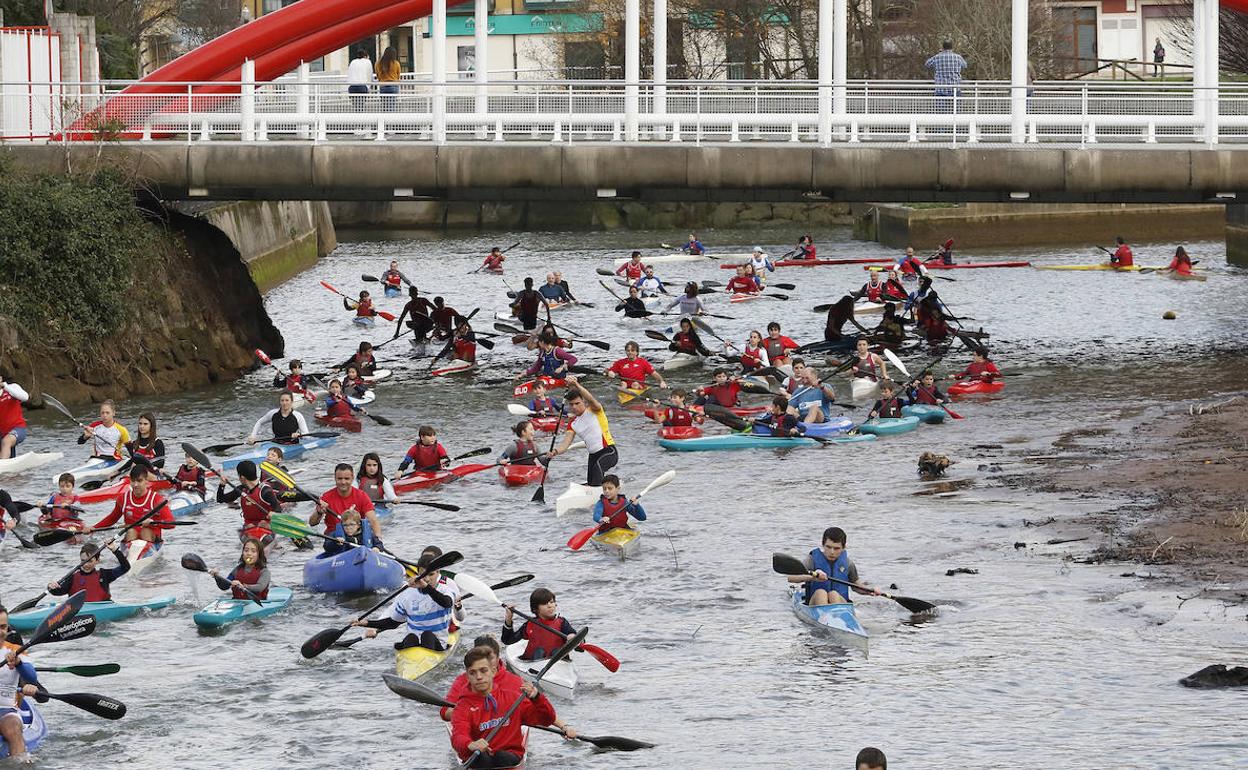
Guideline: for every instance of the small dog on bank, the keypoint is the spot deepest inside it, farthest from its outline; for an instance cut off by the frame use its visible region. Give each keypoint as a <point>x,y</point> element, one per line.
<point>933,466</point>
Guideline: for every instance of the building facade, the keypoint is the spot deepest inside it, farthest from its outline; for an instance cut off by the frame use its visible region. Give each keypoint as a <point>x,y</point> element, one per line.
<point>1092,33</point>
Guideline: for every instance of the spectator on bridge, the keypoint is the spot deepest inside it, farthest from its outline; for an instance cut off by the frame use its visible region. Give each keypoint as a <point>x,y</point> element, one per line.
<point>946,68</point>
<point>1159,57</point>
<point>388,74</point>
<point>359,79</point>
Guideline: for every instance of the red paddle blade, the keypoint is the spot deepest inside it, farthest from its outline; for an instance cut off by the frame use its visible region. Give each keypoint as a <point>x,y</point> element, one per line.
<point>385,315</point>
<point>467,468</point>
<point>264,357</point>
<point>327,285</point>
<point>949,244</point>
<point>953,414</point>
<point>608,661</point>
<point>578,541</point>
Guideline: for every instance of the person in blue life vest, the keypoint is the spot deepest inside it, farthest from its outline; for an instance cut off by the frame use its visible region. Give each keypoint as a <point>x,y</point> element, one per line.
<point>830,559</point>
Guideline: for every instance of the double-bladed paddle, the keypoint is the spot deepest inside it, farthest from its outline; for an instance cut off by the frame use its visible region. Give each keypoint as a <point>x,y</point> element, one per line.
<point>356,302</point>
<point>47,537</point>
<point>540,495</point>
<point>788,565</point>
<point>901,367</point>
<point>578,541</point>
<point>219,448</point>
<point>485,450</point>
<point>450,340</point>
<point>325,639</point>
<point>704,326</point>
<point>84,670</point>
<point>504,251</point>
<point>195,563</point>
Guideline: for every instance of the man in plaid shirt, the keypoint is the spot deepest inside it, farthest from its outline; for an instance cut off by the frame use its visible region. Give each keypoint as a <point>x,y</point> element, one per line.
<point>946,68</point>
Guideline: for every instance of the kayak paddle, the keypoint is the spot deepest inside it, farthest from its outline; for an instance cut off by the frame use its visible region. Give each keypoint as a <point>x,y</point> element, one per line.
<point>788,565</point>
<point>78,628</point>
<point>540,495</point>
<point>46,537</point>
<point>704,326</point>
<point>382,313</point>
<point>293,527</point>
<point>219,448</point>
<point>195,563</point>
<point>450,341</point>
<point>100,669</point>
<point>323,640</point>
<point>99,705</point>
<point>59,616</point>
<point>578,541</point>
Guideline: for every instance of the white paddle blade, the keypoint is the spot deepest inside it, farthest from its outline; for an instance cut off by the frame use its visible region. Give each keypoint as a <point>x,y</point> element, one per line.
<point>895,361</point>
<point>663,480</point>
<point>519,410</point>
<point>576,445</point>
<point>471,585</point>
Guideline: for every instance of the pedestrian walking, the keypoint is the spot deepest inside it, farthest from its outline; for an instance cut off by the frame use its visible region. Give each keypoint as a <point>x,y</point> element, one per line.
<point>1159,57</point>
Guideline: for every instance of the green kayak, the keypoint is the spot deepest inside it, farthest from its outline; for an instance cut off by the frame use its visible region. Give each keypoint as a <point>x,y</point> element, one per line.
<point>104,612</point>
<point>887,426</point>
<point>733,441</point>
<point>222,612</point>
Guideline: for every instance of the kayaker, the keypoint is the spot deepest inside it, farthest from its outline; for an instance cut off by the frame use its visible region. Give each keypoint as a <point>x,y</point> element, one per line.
<point>393,279</point>
<point>341,498</point>
<point>632,370</point>
<point>190,477</point>
<point>12,421</point>
<point>688,341</point>
<point>89,577</point>
<point>420,310</point>
<point>761,262</point>
<point>688,303</point>
<point>677,415</point>
<point>427,454</point>
<point>443,317</point>
<point>1180,264</point>
<point>889,404</point>
<point>741,283</point>
<point>362,359</point>
<point>805,248</point>
<point>542,640</point>
<point>891,330</point>
<point>426,608</point>
<point>566,288</point>
<point>841,312</point>
<point>494,260</point>
<point>552,361</point>
<point>352,531</point>
<point>830,559</point>
<point>944,253</point>
<point>522,451</point>
<point>870,758</point>
<point>924,391</point>
<point>19,679</point>
<point>778,420</point>
<point>1122,256</point>
<point>981,368</point>
<point>693,246</point>
<point>755,277</point>
<point>526,305</point>
<point>284,424</point>
<point>868,365</point>
<point>251,572</point>
<point>812,400</point>
<point>633,269</point>
<point>632,306</point>
<point>777,345</point>
<point>373,481</point>
<point>552,292</point>
<point>107,436</point>
<point>479,711</point>
<point>56,513</point>
<point>273,473</point>
<point>353,384</point>
<point>930,317</point>
<point>873,289</point>
<point>502,674</point>
<point>724,390</point>
<point>363,307</point>
<point>549,330</point>
<point>543,404</point>
<point>611,512</point>
<point>133,504</point>
<point>336,404</point>
<point>910,265</point>
<point>589,422</point>
<point>257,500</point>
<point>464,344</point>
<point>649,284</point>
<point>8,508</point>
<point>294,381</point>
<point>754,356</point>
<point>894,289</point>
<point>796,380</point>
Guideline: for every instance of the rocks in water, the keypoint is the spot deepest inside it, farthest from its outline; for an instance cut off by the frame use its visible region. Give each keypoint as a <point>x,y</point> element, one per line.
<point>1215,676</point>
<point>1169,315</point>
<point>932,465</point>
<point>961,571</point>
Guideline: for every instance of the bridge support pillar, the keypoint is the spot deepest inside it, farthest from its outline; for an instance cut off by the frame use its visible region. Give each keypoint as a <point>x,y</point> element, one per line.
<point>632,66</point>
<point>438,71</point>
<point>247,102</point>
<point>1237,234</point>
<point>303,98</point>
<point>825,71</point>
<point>660,62</point>
<point>840,59</point>
<point>481,61</point>
<point>1018,71</point>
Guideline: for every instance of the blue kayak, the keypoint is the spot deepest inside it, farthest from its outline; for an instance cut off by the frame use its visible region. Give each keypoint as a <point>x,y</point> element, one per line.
<point>289,451</point>
<point>832,427</point>
<point>103,611</point>
<point>364,320</point>
<point>383,511</point>
<point>222,612</point>
<point>392,291</point>
<point>185,503</point>
<point>733,441</point>
<point>34,729</point>
<point>928,413</point>
<point>358,570</point>
<point>888,426</point>
<point>837,620</point>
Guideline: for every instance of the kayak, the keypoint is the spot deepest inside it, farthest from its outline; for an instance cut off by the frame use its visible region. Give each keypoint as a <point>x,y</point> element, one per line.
<point>420,480</point>
<point>377,376</point>
<point>364,320</point>
<point>680,361</point>
<point>222,612</point>
<point>369,397</point>
<point>680,431</point>
<point>545,424</point>
<point>28,461</point>
<point>838,621</point>
<point>889,426</point>
<point>382,510</point>
<point>734,441</point>
<point>1187,276</point>
<point>817,262</point>
<point>518,475</point>
<point>863,308</point>
<point>676,257</point>
<point>965,265</point>
<point>976,386</point>
<point>560,681</point>
<point>628,396</point>
<point>289,451</point>
<point>349,423</point>
<point>104,612</point>
<point>745,297</point>
<point>1101,266</point>
<point>95,469</point>
<point>414,662</point>
<point>577,497</point>
<point>357,570</point>
<point>185,503</point>
<point>550,382</point>
<point>862,388</point>
<point>621,541</point>
<point>454,367</point>
<point>34,729</point>
<point>69,525</point>
<point>117,488</point>
<point>928,413</point>
<point>832,427</point>
<point>143,556</point>
<point>392,292</point>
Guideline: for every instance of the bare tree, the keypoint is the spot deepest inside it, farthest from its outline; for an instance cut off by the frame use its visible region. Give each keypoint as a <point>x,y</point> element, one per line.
<point>1232,36</point>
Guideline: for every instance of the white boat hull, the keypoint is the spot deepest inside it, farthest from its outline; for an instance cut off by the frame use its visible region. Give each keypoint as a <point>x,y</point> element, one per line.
<point>28,461</point>
<point>559,682</point>
<point>577,497</point>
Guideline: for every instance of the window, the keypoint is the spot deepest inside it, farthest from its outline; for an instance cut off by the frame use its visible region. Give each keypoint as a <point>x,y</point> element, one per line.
<point>584,60</point>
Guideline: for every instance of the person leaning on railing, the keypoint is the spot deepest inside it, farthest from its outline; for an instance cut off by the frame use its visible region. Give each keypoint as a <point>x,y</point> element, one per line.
<point>388,74</point>
<point>359,79</point>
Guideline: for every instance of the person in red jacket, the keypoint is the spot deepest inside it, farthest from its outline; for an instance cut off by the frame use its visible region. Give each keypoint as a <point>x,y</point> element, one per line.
<point>776,344</point>
<point>345,496</point>
<point>427,454</point>
<point>135,503</point>
<point>1122,256</point>
<point>632,370</point>
<point>89,577</point>
<point>981,368</point>
<point>742,283</point>
<point>723,391</point>
<point>1181,263</point>
<point>12,422</point>
<point>540,633</point>
<point>502,675</point>
<point>480,712</point>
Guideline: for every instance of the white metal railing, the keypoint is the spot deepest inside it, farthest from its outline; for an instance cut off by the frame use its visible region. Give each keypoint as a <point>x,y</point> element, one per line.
<point>907,112</point>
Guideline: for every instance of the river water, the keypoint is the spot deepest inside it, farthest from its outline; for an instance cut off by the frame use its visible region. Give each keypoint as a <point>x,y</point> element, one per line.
<point>1034,662</point>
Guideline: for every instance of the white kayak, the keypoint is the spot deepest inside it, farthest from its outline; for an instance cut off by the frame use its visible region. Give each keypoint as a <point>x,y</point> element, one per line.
<point>378,376</point>
<point>863,308</point>
<point>142,555</point>
<point>95,469</point>
<point>369,397</point>
<point>28,461</point>
<point>577,497</point>
<point>454,367</point>
<point>681,361</point>
<point>676,257</point>
<point>863,388</point>
<point>185,503</point>
<point>560,681</point>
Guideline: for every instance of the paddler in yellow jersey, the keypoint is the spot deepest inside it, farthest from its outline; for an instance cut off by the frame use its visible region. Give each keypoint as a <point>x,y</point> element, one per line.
<point>589,423</point>
<point>17,678</point>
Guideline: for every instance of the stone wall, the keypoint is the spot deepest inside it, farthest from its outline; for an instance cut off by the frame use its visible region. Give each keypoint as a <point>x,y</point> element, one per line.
<point>1237,235</point>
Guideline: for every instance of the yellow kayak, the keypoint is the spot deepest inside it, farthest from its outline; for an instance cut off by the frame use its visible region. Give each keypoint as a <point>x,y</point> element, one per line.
<point>415,662</point>
<point>1102,266</point>
<point>620,541</point>
<point>629,395</point>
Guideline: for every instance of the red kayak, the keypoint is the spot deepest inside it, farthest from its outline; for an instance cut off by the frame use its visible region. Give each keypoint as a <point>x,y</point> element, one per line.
<point>964,265</point>
<point>817,262</point>
<point>973,387</point>
<point>551,382</point>
<point>740,411</point>
<point>114,490</point>
<point>680,431</point>
<point>68,525</point>
<point>519,475</point>
<point>426,479</point>
<point>545,424</point>
<point>349,424</point>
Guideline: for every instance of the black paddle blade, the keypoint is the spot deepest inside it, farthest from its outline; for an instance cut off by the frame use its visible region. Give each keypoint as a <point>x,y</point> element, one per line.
<point>47,537</point>
<point>597,344</point>
<point>193,561</point>
<point>615,743</point>
<point>485,450</point>
<point>366,278</point>
<point>77,628</point>
<point>448,559</point>
<point>100,705</point>
<point>660,336</point>
<point>439,506</point>
<point>321,642</point>
<point>787,565</point>
<point>222,583</point>
<point>571,644</point>
<point>540,495</point>
<point>199,456</point>
<point>753,386</point>
<point>29,603</point>
<point>346,644</point>
<point>915,606</point>
<point>725,417</point>
<point>603,271</point>
<point>59,616</point>
<point>87,670</point>
<point>380,420</point>
<point>414,691</point>
<point>218,449</point>
<point>94,484</point>
<point>512,582</point>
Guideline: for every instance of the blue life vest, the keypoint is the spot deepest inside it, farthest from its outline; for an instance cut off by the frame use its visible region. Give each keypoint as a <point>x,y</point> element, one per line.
<point>840,571</point>
<point>550,362</point>
<point>366,533</point>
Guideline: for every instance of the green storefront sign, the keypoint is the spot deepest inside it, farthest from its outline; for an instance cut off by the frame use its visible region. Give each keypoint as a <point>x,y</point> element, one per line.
<point>526,24</point>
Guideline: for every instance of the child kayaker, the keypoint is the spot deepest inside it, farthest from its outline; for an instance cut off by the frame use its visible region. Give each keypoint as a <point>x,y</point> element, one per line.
<point>889,405</point>
<point>542,404</point>
<point>363,307</point>
<point>777,345</point>
<point>190,477</point>
<point>464,343</point>
<point>688,341</point>
<point>425,609</point>
<point>56,513</point>
<point>778,420</point>
<point>373,482</point>
<point>1180,263</point>
<point>362,359</point>
<point>830,559</point>
<point>502,674</point>
<point>981,368</point>
<point>522,451</point>
<point>613,508</point>
<point>256,499</point>
<point>336,404</point>
<point>251,572</point>
<point>89,577</point>
<point>18,679</point>
<point>724,391</point>
<point>677,415</point>
<point>147,444</point>
<point>754,356</point>
<point>292,381</point>
<point>924,390</point>
<point>353,385</point>
<point>352,531</point>
<point>542,640</point>
<point>275,474</point>
<point>868,365</point>
<point>741,283</point>
<point>552,361</point>
<point>427,454</point>
<point>135,503</point>
<point>481,710</point>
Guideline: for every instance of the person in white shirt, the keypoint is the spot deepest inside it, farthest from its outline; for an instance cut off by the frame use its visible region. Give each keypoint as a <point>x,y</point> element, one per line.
<point>359,78</point>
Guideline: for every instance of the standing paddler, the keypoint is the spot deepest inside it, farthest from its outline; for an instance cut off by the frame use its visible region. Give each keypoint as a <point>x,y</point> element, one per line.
<point>589,423</point>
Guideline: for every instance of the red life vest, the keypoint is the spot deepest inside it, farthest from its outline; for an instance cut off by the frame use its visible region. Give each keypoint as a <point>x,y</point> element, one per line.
<point>294,383</point>
<point>676,418</point>
<point>91,583</point>
<point>634,271</point>
<point>925,395</point>
<point>541,638</point>
<point>684,343</point>
<point>132,510</point>
<point>874,292</point>
<point>255,510</point>
<point>750,359</point>
<point>465,350</point>
<point>148,451</point>
<point>494,261</point>
<point>526,450</point>
<point>57,513</point>
<point>866,369</point>
<point>190,475</point>
<point>613,514</point>
<point>426,456</point>
<point>365,309</point>
<point>392,278</point>
<point>910,265</point>
<point>546,404</point>
<point>248,576</point>
<point>725,395</point>
<point>890,407</point>
<point>339,407</point>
